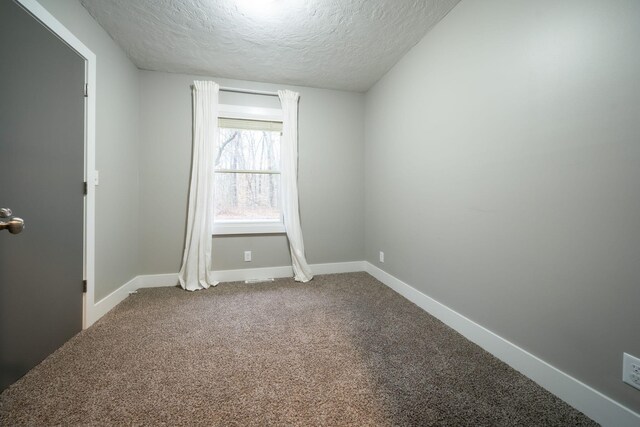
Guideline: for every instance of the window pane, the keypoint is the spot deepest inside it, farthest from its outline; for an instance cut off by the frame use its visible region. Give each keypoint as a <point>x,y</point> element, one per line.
<point>241,149</point>
<point>247,196</point>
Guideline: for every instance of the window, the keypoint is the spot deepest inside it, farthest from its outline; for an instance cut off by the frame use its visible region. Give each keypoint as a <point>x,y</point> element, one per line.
<point>247,173</point>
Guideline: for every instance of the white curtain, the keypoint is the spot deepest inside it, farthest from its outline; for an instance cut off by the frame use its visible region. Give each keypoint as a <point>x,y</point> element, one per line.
<point>289,176</point>
<point>195,272</point>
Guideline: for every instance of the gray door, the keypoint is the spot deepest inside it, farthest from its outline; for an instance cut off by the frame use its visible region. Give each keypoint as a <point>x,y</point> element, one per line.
<point>41,181</point>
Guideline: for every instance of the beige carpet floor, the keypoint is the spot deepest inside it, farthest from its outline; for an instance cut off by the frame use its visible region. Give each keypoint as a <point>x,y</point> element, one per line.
<point>341,350</point>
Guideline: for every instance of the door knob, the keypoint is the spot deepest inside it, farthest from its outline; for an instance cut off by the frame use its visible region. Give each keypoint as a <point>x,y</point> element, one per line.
<point>14,225</point>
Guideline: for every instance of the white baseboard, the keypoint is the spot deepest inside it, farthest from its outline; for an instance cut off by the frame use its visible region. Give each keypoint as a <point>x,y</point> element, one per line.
<point>103,306</point>
<point>338,267</point>
<point>156,280</point>
<point>252,274</point>
<point>594,404</point>
<point>285,271</point>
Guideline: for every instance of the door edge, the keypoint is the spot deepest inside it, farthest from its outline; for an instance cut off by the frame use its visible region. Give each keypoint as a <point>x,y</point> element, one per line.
<point>38,12</point>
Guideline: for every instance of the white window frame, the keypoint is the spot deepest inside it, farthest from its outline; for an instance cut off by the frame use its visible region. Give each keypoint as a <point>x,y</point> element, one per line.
<point>228,227</point>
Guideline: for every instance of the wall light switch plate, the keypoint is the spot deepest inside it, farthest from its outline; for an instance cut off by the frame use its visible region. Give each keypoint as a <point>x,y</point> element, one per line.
<point>247,256</point>
<point>631,370</point>
<point>381,256</point>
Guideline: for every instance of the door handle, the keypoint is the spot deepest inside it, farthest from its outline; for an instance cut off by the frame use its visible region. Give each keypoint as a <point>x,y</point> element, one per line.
<point>15,225</point>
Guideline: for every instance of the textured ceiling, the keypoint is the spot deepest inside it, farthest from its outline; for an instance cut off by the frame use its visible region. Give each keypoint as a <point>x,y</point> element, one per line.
<point>337,44</point>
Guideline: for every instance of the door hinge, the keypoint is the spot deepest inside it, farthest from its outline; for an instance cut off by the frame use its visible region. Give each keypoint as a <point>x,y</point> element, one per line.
<point>85,188</point>
<point>84,286</point>
<point>86,90</point>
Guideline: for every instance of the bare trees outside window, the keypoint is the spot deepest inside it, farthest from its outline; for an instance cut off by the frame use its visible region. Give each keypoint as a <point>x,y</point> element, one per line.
<point>247,171</point>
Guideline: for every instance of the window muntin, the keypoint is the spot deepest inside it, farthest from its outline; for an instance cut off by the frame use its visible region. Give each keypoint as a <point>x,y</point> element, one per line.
<point>247,177</point>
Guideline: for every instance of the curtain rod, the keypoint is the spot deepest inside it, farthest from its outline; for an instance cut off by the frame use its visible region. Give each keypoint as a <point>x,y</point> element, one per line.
<point>249,91</point>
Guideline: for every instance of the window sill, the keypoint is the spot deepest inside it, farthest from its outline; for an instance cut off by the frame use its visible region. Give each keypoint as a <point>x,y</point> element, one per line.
<point>248,227</point>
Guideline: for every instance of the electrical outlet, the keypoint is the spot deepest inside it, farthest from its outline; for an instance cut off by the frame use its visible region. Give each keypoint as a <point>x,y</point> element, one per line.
<point>381,256</point>
<point>631,370</point>
<point>247,256</point>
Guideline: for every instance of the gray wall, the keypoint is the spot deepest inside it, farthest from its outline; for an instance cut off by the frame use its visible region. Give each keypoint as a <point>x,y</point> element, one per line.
<point>502,172</point>
<point>331,175</point>
<point>116,149</point>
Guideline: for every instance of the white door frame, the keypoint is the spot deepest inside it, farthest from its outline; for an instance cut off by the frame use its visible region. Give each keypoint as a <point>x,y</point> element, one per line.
<point>49,21</point>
